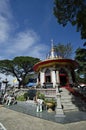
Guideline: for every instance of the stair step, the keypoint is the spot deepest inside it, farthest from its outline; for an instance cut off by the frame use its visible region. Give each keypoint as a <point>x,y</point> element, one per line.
<point>71,109</point>
<point>71,102</point>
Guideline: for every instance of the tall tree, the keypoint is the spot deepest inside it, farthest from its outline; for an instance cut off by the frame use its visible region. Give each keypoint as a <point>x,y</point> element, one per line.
<point>73,11</point>
<point>81,59</point>
<point>64,51</point>
<point>20,67</point>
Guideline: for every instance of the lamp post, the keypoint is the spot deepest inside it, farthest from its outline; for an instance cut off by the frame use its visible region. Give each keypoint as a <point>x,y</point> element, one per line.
<point>5,82</point>
<point>0,85</point>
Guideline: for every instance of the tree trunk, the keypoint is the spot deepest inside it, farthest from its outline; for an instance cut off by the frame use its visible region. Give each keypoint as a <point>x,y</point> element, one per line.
<point>21,84</point>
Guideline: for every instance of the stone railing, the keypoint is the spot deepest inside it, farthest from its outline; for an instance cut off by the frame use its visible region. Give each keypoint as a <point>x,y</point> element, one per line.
<point>49,92</point>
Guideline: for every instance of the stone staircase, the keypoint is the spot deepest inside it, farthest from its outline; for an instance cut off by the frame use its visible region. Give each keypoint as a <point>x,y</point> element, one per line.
<point>71,102</point>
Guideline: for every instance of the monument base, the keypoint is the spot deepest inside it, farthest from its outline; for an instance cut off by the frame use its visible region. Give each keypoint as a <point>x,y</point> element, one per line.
<point>59,113</point>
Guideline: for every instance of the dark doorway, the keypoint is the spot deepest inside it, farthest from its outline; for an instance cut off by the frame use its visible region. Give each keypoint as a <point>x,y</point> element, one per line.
<point>47,76</point>
<point>63,77</point>
<point>63,80</point>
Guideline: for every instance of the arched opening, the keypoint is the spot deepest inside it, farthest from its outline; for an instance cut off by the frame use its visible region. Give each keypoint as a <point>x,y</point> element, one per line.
<point>63,77</point>
<point>38,77</point>
<point>47,76</point>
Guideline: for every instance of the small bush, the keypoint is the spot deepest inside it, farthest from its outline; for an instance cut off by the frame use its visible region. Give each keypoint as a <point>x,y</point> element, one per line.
<point>40,95</point>
<point>21,98</point>
<point>26,96</point>
<point>50,101</point>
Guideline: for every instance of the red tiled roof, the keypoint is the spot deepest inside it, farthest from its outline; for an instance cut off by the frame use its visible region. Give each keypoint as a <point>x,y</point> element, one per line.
<point>51,62</point>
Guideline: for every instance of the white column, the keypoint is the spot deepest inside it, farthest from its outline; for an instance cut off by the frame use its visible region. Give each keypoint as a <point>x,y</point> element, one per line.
<point>42,78</point>
<point>70,78</point>
<point>57,77</point>
<point>53,76</point>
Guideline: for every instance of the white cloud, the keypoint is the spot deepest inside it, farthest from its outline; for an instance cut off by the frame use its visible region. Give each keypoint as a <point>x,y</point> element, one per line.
<point>22,42</point>
<point>26,42</point>
<point>39,51</point>
<point>5,9</point>
<point>5,16</point>
<point>4,29</point>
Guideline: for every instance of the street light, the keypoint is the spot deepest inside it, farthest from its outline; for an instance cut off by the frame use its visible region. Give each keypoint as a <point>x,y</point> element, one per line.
<point>5,82</point>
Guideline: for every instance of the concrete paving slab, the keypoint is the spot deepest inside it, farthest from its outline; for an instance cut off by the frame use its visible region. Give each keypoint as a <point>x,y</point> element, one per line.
<point>13,120</point>
<point>29,109</point>
<point>2,127</point>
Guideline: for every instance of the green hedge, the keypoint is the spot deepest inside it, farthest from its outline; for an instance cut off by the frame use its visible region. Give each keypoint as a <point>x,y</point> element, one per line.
<point>23,97</point>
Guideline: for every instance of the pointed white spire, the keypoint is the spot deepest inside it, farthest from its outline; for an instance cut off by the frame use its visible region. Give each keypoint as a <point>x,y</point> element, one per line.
<point>52,43</point>
<point>52,54</point>
<point>52,49</point>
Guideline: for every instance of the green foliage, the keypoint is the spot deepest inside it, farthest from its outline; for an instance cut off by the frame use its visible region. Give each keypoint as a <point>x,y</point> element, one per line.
<point>64,50</point>
<point>25,95</point>
<point>81,59</point>
<point>80,55</point>
<point>21,98</point>
<point>40,95</point>
<point>71,11</point>
<point>51,100</point>
<point>20,67</point>
<point>50,103</point>
<point>6,66</point>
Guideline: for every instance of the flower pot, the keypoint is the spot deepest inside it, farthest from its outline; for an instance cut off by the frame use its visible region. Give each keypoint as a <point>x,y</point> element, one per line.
<point>50,106</point>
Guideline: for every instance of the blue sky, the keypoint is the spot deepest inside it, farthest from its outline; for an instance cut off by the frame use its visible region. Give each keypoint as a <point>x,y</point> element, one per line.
<point>27,27</point>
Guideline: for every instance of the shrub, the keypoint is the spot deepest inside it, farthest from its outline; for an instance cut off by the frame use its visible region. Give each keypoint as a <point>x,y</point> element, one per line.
<point>50,101</point>
<point>26,96</point>
<point>21,98</point>
<point>40,95</point>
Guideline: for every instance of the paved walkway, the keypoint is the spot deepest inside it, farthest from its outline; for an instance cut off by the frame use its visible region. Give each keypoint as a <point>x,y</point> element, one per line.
<point>23,116</point>
<point>30,109</point>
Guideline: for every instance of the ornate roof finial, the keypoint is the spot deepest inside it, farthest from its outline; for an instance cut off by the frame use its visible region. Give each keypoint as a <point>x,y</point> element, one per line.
<point>52,43</point>
<point>52,49</point>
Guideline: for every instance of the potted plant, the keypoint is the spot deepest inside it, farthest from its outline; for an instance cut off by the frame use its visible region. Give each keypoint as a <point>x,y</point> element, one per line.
<point>50,104</point>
